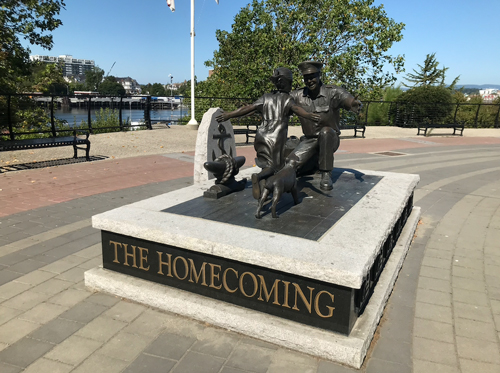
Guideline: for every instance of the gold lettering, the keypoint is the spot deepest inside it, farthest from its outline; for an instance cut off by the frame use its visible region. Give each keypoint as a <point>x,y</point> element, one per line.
<point>285,301</point>
<point>214,275</point>
<point>224,282</point>
<point>316,304</point>
<point>129,255</point>
<point>298,291</point>
<point>115,244</point>
<point>161,263</point>
<point>186,267</point>
<point>143,259</point>
<point>192,270</point>
<point>266,294</point>
<point>255,285</point>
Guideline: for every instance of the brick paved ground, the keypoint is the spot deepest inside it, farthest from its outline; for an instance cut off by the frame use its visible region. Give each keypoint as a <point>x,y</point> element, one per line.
<point>443,316</point>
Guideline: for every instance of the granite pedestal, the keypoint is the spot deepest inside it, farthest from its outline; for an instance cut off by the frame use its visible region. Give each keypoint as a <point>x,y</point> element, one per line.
<point>315,280</point>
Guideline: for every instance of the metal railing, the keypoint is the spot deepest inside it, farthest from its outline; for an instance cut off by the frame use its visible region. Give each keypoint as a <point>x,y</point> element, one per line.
<point>33,115</point>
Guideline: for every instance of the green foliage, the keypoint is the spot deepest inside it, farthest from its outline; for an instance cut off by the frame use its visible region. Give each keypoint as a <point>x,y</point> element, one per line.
<point>378,113</point>
<point>93,79</point>
<point>155,89</point>
<point>31,20</point>
<point>110,87</point>
<point>427,103</point>
<point>429,74</point>
<point>351,38</point>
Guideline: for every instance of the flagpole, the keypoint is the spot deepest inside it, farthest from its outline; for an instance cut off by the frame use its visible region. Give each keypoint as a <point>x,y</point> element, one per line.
<point>192,123</point>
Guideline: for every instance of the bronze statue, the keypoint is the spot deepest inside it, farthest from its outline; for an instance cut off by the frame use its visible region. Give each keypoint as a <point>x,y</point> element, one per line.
<point>276,108</point>
<point>285,180</point>
<point>321,138</point>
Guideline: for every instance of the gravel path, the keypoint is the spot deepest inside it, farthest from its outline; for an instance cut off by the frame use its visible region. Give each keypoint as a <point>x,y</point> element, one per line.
<point>178,139</point>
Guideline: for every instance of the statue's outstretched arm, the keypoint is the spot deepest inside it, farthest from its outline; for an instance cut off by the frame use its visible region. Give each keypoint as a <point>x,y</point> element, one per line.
<point>298,110</point>
<point>244,110</point>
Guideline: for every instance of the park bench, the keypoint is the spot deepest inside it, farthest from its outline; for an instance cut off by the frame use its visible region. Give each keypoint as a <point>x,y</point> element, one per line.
<point>356,127</point>
<point>250,131</point>
<point>429,125</point>
<point>49,142</point>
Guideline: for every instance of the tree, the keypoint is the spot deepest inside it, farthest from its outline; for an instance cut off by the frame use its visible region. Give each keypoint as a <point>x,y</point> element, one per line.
<point>93,78</point>
<point>351,38</point>
<point>157,89</point>
<point>110,87</point>
<point>429,74</point>
<point>32,20</point>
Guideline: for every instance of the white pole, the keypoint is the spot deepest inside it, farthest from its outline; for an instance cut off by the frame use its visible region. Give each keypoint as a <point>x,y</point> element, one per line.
<point>193,121</point>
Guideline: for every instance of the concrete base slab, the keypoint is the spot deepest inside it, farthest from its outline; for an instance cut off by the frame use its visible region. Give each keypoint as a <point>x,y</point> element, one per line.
<point>349,350</point>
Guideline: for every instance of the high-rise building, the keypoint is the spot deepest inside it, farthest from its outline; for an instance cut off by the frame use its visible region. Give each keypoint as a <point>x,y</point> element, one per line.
<point>72,67</point>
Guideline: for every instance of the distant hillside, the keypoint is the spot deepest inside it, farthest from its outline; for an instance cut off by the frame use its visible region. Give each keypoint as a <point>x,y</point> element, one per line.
<point>482,86</point>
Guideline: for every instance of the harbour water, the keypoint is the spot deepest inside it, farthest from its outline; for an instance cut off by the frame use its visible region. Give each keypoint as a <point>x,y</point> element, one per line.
<point>75,116</point>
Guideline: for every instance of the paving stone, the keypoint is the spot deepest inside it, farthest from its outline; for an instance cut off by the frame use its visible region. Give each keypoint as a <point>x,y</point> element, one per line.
<point>98,363</point>
<point>421,366</point>
<point>73,350</point>
<point>434,272</point>
<point>435,351</point>
<point>150,364</point>
<point>466,262</point>
<point>436,262</point>
<point>52,286</point>
<point>492,270</point>
<point>469,284</point>
<point>15,329</point>
<point>92,263</point>
<point>43,313</point>
<point>435,330</point>
<point>376,365</point>
<point>84,312</point>
<point>125,311</point>
<point>26,300</point>
<point>103,299</point>
<point>216,342</point>
<point>482,351</point>
<point>170,346</point>
<point>56,330</point>
<point>7,368</point>
<point>258,343</point>
<point>472,312</point>
<point>475,329</point>
<point>90,252</point>
<point>69,297</point>
<point>290,361</point>
<point>196,362</point>
<point>495,306</point>
<point>434,284</point>
<point>101,329</point>
<point>433,297</point>
<point>329,367</point>
<point>149,323</point>
<point>433,312</point>
<point>250,358</point>
<point>48,366</point>
<point>470,366</point>
<point>35,278</point>
<point>12,289</point>
<point>7,276</point>
<point>471,273</point>
<point>63,265</point>
<point>398,323</point>
<point>16,354</point>
<point>497,321</point>
<point>124,346</point>
<point>26,266</point>
<point>470,297</point>
<point>7,314</point>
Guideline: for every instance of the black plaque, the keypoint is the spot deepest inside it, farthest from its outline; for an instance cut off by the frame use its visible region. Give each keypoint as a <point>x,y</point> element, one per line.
<point>308,301</point>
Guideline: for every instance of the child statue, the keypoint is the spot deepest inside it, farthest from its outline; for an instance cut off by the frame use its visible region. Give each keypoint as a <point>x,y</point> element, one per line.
<point>276,108</point>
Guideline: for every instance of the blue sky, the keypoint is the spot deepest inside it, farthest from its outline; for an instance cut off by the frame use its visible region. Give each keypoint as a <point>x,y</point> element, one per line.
<point>148,42</point>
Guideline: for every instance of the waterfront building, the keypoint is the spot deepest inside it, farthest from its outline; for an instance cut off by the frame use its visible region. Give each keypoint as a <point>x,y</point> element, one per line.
<point>72,67</point>
<point>131,86</point>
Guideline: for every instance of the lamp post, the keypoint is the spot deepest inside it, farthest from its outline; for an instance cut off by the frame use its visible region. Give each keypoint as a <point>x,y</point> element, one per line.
<point>171,85</point>
<point>192,123</point>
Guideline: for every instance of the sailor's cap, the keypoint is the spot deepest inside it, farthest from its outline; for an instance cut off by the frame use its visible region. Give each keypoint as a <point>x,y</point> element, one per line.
<point>310,67</point>
<point>282,71</point>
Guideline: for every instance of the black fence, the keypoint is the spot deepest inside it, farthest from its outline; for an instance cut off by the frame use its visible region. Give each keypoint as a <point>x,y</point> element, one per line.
<point>34,116</point>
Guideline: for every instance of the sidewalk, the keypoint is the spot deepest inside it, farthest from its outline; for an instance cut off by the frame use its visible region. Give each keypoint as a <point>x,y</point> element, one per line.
<point>443,316</point>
